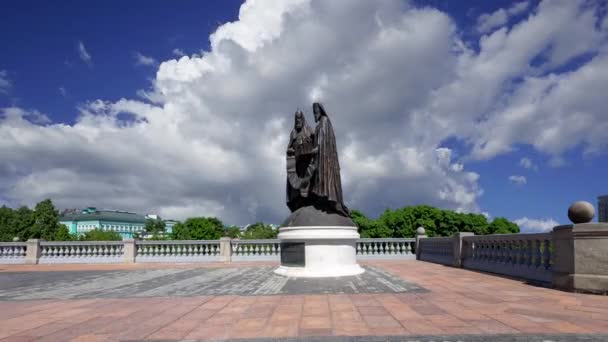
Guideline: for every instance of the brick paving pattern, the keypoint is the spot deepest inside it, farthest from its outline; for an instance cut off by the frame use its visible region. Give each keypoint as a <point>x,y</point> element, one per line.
<point>244,281</point>
<point>457,305</point>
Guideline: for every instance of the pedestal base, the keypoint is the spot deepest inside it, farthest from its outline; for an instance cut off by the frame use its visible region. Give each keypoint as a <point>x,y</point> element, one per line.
<point>329,251</point>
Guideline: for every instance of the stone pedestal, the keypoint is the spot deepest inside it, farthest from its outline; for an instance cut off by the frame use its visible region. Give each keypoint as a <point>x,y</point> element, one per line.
<point>580,261</point>
<point>319,251</point>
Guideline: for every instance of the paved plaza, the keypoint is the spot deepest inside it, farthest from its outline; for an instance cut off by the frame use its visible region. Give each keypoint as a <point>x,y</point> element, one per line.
<point>392,301</point>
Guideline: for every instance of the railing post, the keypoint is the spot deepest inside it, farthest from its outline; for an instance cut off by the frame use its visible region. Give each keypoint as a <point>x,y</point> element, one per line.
<point>457,247</point>
<point>33,251</point>
<point>580,257</point>
<point>225,249</point>
<point>580,252</point>
<point>420,234</point>
<point>129,251</point>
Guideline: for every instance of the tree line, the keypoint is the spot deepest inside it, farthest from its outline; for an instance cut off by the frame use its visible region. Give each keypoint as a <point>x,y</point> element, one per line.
<point>42,222</point>
<point>403,222</point>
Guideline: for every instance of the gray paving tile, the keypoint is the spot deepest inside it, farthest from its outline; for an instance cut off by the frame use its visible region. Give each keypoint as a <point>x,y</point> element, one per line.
<point>244,281</point>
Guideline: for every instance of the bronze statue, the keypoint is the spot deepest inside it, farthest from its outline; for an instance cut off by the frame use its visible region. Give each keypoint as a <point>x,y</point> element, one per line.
<point>299,166</point>
<point>313,170</point>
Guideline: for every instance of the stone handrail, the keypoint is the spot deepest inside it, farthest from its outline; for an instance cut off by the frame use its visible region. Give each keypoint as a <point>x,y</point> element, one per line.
<point>251,250</point>
<point>392,248</point>
<point>437,249</point>
<point>177,250</point>
<point>68,252</point>
<point>12,252</point>
<point>525,256</point>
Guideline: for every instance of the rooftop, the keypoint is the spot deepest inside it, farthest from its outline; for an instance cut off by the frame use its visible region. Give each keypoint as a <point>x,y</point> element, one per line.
<point>92,214</point>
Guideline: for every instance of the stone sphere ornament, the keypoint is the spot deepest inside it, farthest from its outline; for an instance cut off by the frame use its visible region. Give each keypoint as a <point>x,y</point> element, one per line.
<point>420,231</point>
<point>581,212</point>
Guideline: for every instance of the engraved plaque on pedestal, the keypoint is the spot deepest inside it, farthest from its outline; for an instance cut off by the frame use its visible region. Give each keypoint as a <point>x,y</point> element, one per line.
<point>292,254</point>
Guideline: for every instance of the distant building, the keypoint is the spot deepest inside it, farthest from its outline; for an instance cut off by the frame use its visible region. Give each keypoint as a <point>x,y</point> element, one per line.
<point>123,222</point>
<point>169,225</point>
<point>602,208</point>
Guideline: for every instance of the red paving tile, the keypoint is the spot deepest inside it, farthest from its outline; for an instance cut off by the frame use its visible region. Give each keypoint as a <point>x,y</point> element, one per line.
<point>458,302</point>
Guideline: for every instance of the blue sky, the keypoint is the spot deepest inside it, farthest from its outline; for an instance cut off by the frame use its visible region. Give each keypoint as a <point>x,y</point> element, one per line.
<point>483,79</point>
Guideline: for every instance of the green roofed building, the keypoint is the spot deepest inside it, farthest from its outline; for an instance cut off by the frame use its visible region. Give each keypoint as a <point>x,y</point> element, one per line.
<point>122,222</point>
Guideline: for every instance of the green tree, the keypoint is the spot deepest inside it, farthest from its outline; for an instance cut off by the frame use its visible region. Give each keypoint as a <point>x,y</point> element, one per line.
<point>22,223</point>
<point>198,228</point>
<point>232,232</point>
<point>46,220</point>
<point>63,234</point>
<point>7,230</point>
<point>100,235</point>
<point>259,230</point>
<point>501,225</point>
<point>370,228</point>
<point>155,226</point>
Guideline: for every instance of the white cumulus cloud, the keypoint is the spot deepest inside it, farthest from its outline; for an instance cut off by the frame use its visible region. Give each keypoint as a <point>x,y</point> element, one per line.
<point>486,22</point>
<point>5,83</point>
<point>178,52</point>
<point>528,225</point>
<point>84,54</point>
<point>527,163</point>
<point>519,180</point>
<point>144,60</point>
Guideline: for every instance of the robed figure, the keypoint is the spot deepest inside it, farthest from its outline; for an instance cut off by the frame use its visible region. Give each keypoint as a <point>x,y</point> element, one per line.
<point>325,185</point>
<point>299,166</point>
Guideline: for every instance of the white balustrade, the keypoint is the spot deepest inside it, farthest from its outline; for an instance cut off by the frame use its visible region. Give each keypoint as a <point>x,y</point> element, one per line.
<point>256,250</point>
<point>526,256</point>
<point>177,250</point>
<point>12,252</point>
<point>439,250</point>
<point>68,252</point>
<point>392,248</point>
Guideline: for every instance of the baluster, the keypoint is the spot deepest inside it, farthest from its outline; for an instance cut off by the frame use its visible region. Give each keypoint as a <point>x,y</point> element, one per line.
<point>359,248</point>
<point>500,251</point>
<point>375,248</point>
<point>528,253</point>
<point>519,253</point>
<point>547,254</point>
<point>537,254</point>
<point>407,248</point>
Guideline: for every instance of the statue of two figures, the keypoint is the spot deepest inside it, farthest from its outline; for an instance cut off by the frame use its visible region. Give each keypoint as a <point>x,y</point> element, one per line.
<point>313,170</point>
